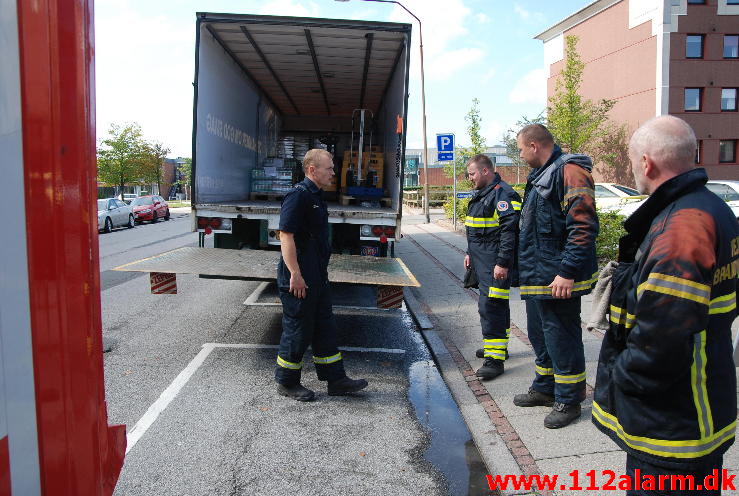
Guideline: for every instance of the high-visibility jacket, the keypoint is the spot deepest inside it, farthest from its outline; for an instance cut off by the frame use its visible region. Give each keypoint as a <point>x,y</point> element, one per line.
<point>666,383</point>
<point>558,227</point>
<point>492,231</point>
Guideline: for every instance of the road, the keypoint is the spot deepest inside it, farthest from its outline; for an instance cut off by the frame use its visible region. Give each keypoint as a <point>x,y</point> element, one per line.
<point>191,376</point>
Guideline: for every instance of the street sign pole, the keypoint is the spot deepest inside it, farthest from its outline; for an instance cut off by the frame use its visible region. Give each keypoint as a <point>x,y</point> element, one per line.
<point>445,149</point>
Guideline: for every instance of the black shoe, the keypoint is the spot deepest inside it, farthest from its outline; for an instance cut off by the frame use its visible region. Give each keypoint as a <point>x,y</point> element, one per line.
<point>490,369</point>
<point>561,415</point>
<point>533,398</point>
<point>296,392</point>
<point>480,353</point>
<point>345,385</point>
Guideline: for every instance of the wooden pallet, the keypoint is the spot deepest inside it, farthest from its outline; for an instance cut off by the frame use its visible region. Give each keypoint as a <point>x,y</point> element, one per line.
<point>267,196</point>
<point>346,200</point>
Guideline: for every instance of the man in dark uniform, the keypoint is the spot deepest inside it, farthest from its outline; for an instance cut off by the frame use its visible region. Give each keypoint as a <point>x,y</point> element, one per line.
<point>302,278</point>
<point>557,265</point>
<point>666,384</point>
<point>492,231</point>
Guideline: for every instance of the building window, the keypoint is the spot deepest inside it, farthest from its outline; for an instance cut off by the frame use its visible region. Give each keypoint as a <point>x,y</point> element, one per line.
<point>694,46</point>
<point>727,151</point>
<point>731,46</point>
<point>732,2</point>
<point>728,100</point>
<point>698,150</point>
<point>693,99</point>
<point>697,2</point>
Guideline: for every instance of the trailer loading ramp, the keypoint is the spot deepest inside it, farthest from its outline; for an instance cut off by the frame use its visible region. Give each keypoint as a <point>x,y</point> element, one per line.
<point>390,275</point>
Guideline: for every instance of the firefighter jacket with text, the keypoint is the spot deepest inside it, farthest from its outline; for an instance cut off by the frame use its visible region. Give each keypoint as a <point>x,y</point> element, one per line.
<point>492,232</point>
<point>558,227</point>
<point>666,383</point>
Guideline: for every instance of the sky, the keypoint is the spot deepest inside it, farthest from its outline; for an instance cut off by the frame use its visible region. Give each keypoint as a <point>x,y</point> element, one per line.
<point>484,49</point>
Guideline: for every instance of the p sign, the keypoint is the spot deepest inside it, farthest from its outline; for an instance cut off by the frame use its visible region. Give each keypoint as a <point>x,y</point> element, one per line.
<point>445,146</point>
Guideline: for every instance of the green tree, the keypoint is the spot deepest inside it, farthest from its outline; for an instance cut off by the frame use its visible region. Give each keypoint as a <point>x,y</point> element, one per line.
<point>579,125</point>
<point>152,166</point>
<point>463,154</point>
<point>186,171</point>
<point>510,142</point>
<point>120,158</point>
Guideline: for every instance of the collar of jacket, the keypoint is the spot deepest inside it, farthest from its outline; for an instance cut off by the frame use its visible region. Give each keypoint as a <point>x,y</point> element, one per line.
<point>544,182</point>
<point>638,223</point>
<point>480,193</point>
<point>311,185</point>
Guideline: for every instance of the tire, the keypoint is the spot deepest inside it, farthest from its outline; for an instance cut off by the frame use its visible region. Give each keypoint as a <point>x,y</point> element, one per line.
<point>131,221</point>
<point>166,216</point>
<point>154,218</point>
<point>108,225</point>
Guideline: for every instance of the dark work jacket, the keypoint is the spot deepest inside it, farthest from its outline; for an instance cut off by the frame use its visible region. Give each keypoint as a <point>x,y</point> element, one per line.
<point>304,214</point>
<point>666,384</point>
<point>558,227</point>
<point>492,230</point>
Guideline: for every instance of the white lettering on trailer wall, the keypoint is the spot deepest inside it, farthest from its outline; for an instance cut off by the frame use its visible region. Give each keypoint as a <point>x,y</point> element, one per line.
<point>17,397</point>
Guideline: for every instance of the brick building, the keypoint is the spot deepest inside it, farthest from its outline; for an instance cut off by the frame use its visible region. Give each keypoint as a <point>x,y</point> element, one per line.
<point>657,57</point>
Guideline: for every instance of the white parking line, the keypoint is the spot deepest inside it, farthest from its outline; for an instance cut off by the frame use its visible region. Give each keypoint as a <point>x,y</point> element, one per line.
<point>183,377</point>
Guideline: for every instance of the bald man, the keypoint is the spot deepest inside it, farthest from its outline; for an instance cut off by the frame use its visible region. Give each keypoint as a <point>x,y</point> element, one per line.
<point>666,383</point>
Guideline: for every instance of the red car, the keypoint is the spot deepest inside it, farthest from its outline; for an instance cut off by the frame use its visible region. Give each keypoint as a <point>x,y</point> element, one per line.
<point>151,208</point>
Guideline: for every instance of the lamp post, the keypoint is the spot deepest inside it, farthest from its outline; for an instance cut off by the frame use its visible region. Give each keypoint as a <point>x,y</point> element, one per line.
<point>423,109</point>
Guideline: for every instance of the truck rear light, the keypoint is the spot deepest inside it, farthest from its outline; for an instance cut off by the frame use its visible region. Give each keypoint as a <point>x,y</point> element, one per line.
<point>226,224</point>
<point>376,230</point>
<point>215,223</point>
<point>389,231</point>
<point>365,230</point>
<point>203,222</point>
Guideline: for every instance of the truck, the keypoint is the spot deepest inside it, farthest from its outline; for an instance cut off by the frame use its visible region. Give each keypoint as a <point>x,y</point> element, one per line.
<point>266,90</point>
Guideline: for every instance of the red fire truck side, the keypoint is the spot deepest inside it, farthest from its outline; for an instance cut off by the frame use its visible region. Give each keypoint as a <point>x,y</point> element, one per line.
<point>54,433</point>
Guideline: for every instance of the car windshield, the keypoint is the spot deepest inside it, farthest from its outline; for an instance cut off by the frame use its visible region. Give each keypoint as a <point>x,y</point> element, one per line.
<point>141,201</point>
<point>628,191</point>
<point>102,204</point>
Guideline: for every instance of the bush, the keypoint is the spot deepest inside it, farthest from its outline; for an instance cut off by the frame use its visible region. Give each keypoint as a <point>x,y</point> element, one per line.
<point>611,230</point>
<point>461,208</point>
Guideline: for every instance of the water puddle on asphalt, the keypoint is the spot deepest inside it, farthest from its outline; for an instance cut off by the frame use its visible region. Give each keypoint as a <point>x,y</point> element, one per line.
<point>452,450</point>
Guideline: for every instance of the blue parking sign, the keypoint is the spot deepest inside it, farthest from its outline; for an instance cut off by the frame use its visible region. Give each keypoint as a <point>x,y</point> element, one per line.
<point>445,147</point>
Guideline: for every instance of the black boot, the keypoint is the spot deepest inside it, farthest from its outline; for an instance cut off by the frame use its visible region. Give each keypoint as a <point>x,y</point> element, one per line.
<point>296,392</point>
<point>561,415</point>
<point>345,386</point>
<point>490,369</point>
<point>533,398</point>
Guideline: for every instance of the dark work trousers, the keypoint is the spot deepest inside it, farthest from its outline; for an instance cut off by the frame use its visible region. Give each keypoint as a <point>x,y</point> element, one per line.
<point>555,333</point>
<point>308,321</point>
<point>495,321</point>
<point>699,473</point>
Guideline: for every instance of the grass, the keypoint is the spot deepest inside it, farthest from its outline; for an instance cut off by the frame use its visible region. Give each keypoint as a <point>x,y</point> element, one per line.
<point>178,204</point>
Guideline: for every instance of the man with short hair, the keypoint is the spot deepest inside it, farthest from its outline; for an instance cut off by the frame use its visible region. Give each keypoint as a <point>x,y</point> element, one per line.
<point>665,390</point>
<point>302,278</point>
<point>492,232</point>
<point>557,266</point>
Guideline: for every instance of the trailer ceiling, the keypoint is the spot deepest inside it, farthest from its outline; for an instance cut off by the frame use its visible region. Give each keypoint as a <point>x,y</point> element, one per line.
<point>314,66</point>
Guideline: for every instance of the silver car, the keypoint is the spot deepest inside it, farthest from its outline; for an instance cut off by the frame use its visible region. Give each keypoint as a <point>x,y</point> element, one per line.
<point>114,213</point>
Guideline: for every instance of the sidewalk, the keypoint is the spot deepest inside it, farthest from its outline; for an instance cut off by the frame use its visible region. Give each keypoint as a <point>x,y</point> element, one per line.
<point>511,440</point>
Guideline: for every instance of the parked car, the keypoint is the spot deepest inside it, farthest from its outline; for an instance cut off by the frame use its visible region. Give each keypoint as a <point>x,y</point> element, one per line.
<point>151,208</point>
<point>612,196</point>
<point>728,191</point>
<point>129,197</point>
<point>113,213</point>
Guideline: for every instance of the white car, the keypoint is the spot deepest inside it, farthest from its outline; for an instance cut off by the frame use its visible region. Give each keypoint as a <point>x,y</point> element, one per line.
<point>614,197</point>
<point>728,191</point>
<point>129,197</point>
<point>114,213</point>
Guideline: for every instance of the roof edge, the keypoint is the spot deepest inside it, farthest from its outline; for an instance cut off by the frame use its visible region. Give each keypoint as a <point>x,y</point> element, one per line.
<point>299,20</point>
<point>573,20</point>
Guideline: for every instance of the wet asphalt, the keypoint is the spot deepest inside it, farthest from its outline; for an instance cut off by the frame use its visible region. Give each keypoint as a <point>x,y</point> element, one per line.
<point>225,430</point>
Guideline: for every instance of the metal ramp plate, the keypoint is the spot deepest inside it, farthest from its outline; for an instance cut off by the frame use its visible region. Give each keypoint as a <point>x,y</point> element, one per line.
<point>261,265</point>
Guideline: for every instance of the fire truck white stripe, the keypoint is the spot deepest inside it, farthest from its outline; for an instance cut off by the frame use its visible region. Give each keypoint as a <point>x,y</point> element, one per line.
<point>18,398</point>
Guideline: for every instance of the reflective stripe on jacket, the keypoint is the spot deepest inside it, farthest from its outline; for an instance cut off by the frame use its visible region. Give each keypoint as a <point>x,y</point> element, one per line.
<point>559,226</point>
<point>492,231</point>
<point>666,383</point>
